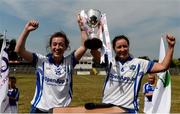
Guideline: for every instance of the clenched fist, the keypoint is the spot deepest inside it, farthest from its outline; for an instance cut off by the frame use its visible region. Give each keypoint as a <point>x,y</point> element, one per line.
<point>32,25</point>
<point>171,40</point>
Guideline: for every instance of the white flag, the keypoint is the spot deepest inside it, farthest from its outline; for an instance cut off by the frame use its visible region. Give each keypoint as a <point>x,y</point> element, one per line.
<point>4,71</point>
<point>161,100</point>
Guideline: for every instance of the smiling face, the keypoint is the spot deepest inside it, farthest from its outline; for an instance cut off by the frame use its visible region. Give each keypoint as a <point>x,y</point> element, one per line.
<point>121,49</point>
<point>58,47</point>
<point>58,44</point>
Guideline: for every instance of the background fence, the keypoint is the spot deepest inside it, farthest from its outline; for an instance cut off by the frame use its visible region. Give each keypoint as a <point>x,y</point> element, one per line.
<point>28,68</point>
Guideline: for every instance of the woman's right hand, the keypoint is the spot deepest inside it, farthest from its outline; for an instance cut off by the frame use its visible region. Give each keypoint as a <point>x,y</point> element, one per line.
<point>32,25</point>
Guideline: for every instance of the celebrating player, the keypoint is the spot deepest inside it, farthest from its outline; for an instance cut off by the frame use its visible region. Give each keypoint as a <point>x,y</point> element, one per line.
<point>54,71</point>
<point>124,74</point>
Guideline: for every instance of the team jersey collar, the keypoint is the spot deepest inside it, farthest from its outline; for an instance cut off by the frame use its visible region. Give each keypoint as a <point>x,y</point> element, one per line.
<point>122,62</point>
<point>51,60</point>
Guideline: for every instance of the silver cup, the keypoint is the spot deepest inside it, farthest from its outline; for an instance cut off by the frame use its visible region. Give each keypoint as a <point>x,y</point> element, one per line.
<point>93,19</point>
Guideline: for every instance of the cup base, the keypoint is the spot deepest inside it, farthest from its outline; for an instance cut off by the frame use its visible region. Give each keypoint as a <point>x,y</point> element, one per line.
<point>93,44</point>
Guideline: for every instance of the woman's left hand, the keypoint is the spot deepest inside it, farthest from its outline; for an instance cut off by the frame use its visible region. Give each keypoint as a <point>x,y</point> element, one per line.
<point>171,40</point>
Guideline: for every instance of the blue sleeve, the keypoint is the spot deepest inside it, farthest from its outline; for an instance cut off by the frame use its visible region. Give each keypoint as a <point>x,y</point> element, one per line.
<point>145,90</point>
<point>35,60</point>
<point>150,65</point>
<point>74,61</point>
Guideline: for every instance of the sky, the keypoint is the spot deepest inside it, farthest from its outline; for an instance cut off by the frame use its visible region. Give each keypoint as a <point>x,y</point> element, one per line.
<point>144,22</point>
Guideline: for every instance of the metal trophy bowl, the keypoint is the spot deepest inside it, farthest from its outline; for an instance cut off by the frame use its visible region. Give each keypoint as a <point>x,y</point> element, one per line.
<point>93,19</point>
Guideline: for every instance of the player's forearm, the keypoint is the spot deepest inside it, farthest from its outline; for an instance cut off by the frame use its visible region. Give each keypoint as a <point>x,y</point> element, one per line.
<point>20,46</point>
<point>148,94</point>
<point>168,58</point>
<point>80,52</point>
<point>82,49</point>
<point>83,37</point>
<point>96,54</point>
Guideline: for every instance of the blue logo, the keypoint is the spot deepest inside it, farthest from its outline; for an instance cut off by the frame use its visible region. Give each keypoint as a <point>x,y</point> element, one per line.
<point>59,71</point>
<point>56,81</point>
<point>132,67</point>
<point>122,69</point>
<point>121,78</point>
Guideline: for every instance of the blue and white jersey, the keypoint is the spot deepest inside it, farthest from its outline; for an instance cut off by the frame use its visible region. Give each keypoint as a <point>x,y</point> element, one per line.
<point>123,82</point>
<point>148,88</point>
<point>14,94</point>
<point>53,82</point>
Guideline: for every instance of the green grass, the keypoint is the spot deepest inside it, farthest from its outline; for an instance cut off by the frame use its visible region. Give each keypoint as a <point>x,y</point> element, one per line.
<point>85,89</point>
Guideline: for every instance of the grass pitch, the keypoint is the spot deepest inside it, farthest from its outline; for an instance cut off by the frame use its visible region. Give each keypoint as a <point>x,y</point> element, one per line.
<point>86,89</point>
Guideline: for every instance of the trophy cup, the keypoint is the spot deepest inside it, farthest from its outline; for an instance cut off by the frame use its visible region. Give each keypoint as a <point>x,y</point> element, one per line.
<point>93,18</point>
<point>95,24</point>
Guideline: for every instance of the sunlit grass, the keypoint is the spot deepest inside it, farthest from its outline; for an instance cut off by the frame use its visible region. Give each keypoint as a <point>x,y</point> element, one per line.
<point>85,89</point>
